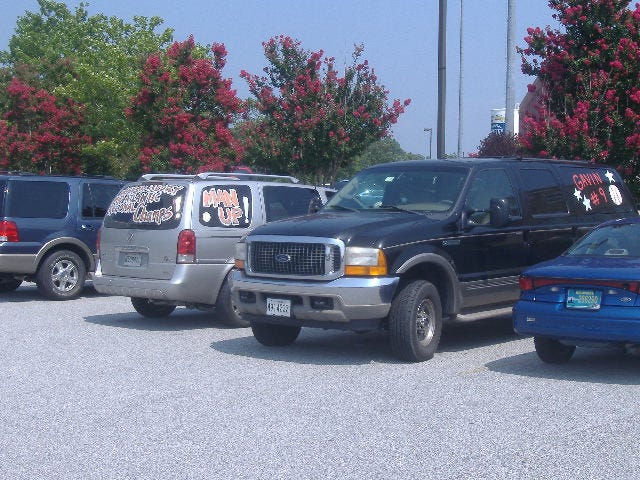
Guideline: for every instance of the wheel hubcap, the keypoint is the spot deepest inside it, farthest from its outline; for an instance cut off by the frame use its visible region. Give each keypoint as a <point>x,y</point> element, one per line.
<point>425,327</point>
<point>64,275</point>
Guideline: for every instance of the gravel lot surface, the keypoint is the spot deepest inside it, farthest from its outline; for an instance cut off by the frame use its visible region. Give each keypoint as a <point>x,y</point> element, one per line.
<point>91,390</point>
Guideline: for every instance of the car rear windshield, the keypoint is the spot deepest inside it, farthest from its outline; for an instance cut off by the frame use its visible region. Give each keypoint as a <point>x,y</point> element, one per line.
<point>151,206</point>
<point>619,240</point>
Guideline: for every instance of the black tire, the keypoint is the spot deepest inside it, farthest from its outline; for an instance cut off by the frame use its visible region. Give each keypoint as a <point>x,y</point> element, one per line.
<point>226,311</point>
<point>552,351</point>
<point>147,308</point>
<point>274,335</point>
<point>415,321</point>
<point>9,284</point>
<point>61,275</point>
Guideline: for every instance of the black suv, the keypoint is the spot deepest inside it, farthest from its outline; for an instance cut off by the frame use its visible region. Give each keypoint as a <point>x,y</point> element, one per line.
<point>407,246</point>
<point>48,230</point>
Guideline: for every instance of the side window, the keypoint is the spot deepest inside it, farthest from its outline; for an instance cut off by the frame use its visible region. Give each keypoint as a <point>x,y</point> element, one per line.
<point>487,185</point>
<point>37,199</point>
<point>228,206</point>
<point>96,198</point>
<point>543,192</point>
<point>596,190</point>
<point>285,202</point>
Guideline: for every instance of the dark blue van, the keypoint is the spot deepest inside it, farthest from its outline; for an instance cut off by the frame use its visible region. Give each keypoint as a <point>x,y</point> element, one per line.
<point>48,230</point>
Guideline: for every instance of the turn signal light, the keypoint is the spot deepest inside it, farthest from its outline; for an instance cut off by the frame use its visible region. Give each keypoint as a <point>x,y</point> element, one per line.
<point>369,262</point>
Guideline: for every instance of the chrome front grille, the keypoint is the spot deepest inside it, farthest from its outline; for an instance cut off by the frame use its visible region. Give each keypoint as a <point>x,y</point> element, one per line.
<point>300,259</point>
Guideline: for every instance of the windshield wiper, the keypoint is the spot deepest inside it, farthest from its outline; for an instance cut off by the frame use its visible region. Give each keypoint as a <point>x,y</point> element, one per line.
<point>340,207</point>
<point>400,209</point>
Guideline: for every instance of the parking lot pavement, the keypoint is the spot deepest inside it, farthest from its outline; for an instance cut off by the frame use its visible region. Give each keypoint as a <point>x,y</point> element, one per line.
<point>91,390</point>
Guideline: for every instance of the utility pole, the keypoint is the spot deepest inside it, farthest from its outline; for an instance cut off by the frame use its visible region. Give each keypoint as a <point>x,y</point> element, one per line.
<point>460,85</point>
<point>430,131</point>
<point>510,105</point>
<point>442,76</point>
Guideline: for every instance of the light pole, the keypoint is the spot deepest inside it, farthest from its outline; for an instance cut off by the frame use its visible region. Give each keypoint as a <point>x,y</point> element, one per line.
<point>430,130</point>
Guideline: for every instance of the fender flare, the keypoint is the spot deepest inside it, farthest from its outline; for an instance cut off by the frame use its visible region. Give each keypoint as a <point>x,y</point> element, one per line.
<point>445,266</point>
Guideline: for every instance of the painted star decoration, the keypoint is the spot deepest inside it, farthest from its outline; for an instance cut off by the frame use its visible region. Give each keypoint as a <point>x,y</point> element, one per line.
<point>587,204</point>
<point>609,175</point>
<point>578,194</point>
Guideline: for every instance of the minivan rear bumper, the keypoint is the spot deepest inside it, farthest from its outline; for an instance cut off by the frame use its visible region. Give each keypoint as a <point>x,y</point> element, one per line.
<point>190,284</point>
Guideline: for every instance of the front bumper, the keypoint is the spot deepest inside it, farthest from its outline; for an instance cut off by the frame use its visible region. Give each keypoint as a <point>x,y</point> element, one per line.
<point>357,302</point>
<point>610,324</point>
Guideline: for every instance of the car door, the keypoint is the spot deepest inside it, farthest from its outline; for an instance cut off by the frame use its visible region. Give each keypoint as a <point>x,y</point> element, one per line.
<point>489,258</point>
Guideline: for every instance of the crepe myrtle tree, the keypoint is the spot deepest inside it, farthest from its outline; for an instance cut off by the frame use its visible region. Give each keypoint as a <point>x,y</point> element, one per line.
<point>589,88</point>
<point>309,119</point>
<point>40,133</point>
<point>185,108</point>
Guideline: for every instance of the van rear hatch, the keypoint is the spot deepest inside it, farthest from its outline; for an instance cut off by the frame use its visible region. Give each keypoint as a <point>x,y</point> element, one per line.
<point>135,239</point>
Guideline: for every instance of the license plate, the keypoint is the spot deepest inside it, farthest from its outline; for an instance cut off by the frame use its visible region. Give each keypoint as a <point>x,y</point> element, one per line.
<point>132,260</point>
<point>279,307</point>
<point>585,299</point>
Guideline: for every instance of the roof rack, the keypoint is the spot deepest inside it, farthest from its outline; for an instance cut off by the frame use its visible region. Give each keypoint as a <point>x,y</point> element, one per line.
<point>248,176</point>
<point>219,175</point>
<point>160,176</point>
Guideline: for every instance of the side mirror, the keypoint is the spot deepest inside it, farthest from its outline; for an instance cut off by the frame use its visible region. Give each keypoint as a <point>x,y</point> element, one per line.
<point>499,209</point>
<point>315,205</point>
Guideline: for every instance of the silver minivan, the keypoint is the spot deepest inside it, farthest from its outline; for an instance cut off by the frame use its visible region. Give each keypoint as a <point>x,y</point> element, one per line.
<point>169,239</point>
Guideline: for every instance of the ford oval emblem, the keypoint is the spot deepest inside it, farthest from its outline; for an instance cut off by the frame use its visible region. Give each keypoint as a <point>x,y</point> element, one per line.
<point>282,258</point>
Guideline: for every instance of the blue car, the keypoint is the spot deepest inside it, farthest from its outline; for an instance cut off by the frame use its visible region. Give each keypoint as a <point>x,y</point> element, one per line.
<point>588,296</point>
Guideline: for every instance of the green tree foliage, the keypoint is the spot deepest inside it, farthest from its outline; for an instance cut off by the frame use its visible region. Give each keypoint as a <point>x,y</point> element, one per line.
<point>499,144</point>
<point>307,118</point>
<point>384,150</point>
<point>184,108</point>
<point>590,92</point>
<point>94,60</point>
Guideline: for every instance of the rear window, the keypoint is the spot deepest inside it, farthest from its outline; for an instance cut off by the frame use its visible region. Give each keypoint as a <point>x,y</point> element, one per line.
<point>543,192</point>
<point>3,188</point>
<point>37,199</point>
<point>96,198</point>
<point>285,202</point>
<point>228,206</point>
<point>151,206</point>
<point>596,190</point>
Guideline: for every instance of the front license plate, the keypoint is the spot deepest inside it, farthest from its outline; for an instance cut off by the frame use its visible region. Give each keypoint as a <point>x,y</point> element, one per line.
<point>585,299</point>
<point>279,307</point>
<point>132,260</point>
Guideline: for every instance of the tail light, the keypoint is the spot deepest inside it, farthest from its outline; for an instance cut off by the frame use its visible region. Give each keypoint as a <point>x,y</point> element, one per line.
<point>186,247</point>
<point>531,283</point>
<point>8,231</point>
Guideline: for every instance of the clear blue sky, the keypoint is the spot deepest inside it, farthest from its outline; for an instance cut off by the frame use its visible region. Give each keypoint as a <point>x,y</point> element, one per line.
<point>400,40</point>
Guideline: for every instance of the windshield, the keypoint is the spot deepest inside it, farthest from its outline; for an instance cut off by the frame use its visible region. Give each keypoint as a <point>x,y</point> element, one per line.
<point>415,189</point>
<point>612,240</point>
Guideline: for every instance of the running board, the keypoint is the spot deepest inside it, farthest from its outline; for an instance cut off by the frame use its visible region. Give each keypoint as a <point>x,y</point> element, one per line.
<point>470,317</point>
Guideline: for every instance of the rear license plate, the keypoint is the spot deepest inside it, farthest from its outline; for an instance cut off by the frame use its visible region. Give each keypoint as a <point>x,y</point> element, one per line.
<point>279,307</point>
<point>585,299</point>
<point>131,259</point>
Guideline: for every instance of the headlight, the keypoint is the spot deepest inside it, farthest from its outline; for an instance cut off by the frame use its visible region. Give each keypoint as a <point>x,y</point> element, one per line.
<point>241,255</point>
<point>364,261</point>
